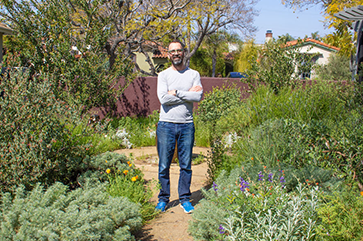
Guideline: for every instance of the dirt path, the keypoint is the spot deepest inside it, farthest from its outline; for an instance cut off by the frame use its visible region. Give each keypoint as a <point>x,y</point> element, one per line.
<point>173,224</point>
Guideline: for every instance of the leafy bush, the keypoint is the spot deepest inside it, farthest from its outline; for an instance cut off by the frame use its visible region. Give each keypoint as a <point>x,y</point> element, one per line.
<point>246,206</point>
<point>112,163</point>
<point>138,131</point>
<point>337,147</point>
<point>341,216</point>
<point>218,102</point>
<point>75,56</point>
<point>124,180</point>
<point>276,65</point>
<point>336,69</point>
<point>35,139</point>
<point>97,137</point>
<point>87,213</point>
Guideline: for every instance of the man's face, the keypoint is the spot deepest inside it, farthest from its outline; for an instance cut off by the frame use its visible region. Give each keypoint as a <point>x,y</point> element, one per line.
<point>176,54</point>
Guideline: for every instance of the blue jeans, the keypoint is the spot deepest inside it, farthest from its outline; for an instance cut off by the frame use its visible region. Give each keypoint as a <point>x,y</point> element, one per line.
<point>167,133</point>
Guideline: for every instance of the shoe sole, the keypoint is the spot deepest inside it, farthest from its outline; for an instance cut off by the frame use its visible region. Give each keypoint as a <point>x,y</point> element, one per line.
<point>185,210</point>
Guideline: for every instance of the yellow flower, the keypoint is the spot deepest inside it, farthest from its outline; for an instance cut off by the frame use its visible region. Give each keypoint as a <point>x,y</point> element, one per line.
<point>106,161</point>
<point>134,178</point>
<point>108,171</point>
<point>125,172</point>
<point>130,165</point>
<point>361,193</point>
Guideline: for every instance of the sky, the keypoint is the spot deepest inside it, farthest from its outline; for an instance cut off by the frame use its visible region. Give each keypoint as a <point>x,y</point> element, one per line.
<point>281,20</point>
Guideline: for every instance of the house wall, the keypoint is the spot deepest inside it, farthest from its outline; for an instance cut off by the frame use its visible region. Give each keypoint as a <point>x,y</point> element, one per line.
<point>141,61</point>
<point>323,53</point>
<point>140,98</point>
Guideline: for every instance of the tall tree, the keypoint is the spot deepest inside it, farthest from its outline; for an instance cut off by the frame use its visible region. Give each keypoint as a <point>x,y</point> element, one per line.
<point>47,31</point>
<point>217,43</point>
<point>243,60</point>
<point>207,17</point>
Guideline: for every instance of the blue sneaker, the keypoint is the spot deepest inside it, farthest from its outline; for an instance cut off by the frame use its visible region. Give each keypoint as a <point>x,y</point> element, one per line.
<point>161,206</point>
<point>187,206</point>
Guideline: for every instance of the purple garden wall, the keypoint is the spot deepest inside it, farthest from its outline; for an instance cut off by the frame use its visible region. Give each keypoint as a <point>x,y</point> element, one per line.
<point>140,99</point>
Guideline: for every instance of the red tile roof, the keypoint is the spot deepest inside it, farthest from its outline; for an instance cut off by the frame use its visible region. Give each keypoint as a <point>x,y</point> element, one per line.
<point>228,56</point>
<point>294,42</point>
<point>161,53</point>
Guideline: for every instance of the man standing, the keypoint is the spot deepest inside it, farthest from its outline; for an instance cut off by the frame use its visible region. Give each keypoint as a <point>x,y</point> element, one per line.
<point>178,87</point>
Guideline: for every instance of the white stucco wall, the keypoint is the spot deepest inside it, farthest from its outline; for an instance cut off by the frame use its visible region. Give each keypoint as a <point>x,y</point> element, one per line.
<point>323,53</point>
<point>322,58</point>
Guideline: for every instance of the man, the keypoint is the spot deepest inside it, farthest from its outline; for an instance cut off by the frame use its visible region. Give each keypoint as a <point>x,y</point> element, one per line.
<point>178,87</point>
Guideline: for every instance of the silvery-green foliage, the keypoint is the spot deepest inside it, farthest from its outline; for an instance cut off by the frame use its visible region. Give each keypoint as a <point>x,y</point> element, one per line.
<point>108,160</point>
<point>245,205</point>
<point>86,213</point>
<point>294,218</point>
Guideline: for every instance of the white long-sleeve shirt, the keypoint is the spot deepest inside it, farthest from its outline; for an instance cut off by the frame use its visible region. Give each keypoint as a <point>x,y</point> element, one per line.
<point>179,108</point>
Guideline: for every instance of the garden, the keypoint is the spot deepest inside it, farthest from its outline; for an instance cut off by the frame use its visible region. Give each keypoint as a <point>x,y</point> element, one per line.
<point>285,163</point>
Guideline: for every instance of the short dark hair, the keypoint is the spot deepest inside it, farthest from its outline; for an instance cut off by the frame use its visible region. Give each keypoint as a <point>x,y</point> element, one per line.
<point>177,41</point>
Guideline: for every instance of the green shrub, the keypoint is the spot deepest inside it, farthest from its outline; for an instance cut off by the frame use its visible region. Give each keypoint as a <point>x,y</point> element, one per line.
<point>87,213</point>
<point>250,206</point>
<point>110,162</point>
<point>203,132</point>
<point>124,180</point>
<point>35,139</point>
<point>336,69</point>
<point>136,131</point>
<point>218,102</point>
<point>299,144</point>
<point>341,216</point>
<point>316,101</point>
<point>276,65</point>
<point>98,137</point>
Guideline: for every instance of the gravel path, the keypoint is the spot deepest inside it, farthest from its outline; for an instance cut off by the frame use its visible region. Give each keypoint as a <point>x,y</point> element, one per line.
<point>173,224</point>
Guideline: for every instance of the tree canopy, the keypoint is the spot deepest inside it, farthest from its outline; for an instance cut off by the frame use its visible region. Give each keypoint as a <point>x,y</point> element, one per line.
<point>126,27</point>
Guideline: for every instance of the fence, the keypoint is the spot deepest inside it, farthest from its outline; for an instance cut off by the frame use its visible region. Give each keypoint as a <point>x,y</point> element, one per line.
<point>140,98</point>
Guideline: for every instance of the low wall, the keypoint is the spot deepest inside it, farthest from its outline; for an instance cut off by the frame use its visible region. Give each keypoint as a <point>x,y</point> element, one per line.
<point>140,98</point>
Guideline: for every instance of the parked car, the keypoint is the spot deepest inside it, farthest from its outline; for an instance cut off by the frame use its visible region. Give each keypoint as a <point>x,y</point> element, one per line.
<point>237,75</point>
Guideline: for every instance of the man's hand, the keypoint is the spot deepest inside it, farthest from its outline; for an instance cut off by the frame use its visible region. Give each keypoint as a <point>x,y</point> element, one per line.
<point>196,88</point>
<point>172,92</point>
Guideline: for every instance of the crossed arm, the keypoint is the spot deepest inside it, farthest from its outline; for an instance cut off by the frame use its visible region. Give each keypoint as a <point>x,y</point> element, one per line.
<point>195,88</point>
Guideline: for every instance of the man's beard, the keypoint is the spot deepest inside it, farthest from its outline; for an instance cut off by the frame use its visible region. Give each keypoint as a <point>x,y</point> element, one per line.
<point>177,62</point>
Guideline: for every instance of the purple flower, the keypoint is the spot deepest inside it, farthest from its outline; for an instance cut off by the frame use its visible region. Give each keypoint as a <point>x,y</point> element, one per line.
<point>282,180</point>
<point>243,185</point>
<point>270,177</point>
<point>215,187</point>
<point>221,229</point>
<point>260,176</point>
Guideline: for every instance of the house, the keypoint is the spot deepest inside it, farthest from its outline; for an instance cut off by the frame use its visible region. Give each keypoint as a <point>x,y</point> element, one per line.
<point>4,30</point>
<point>158,55</point>
<point>321,50</point>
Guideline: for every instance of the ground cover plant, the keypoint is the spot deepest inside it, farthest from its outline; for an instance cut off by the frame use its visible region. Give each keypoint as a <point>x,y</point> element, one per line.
<point>86,213</point>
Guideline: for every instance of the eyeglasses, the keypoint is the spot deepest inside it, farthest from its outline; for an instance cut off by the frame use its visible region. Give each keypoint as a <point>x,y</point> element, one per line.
<point>174,51</point>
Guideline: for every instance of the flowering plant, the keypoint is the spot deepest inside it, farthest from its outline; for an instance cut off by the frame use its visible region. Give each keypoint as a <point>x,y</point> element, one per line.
<point>256,207</point>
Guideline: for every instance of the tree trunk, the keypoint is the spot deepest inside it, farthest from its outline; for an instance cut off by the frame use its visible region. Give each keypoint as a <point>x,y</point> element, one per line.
<point>214,63</point>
